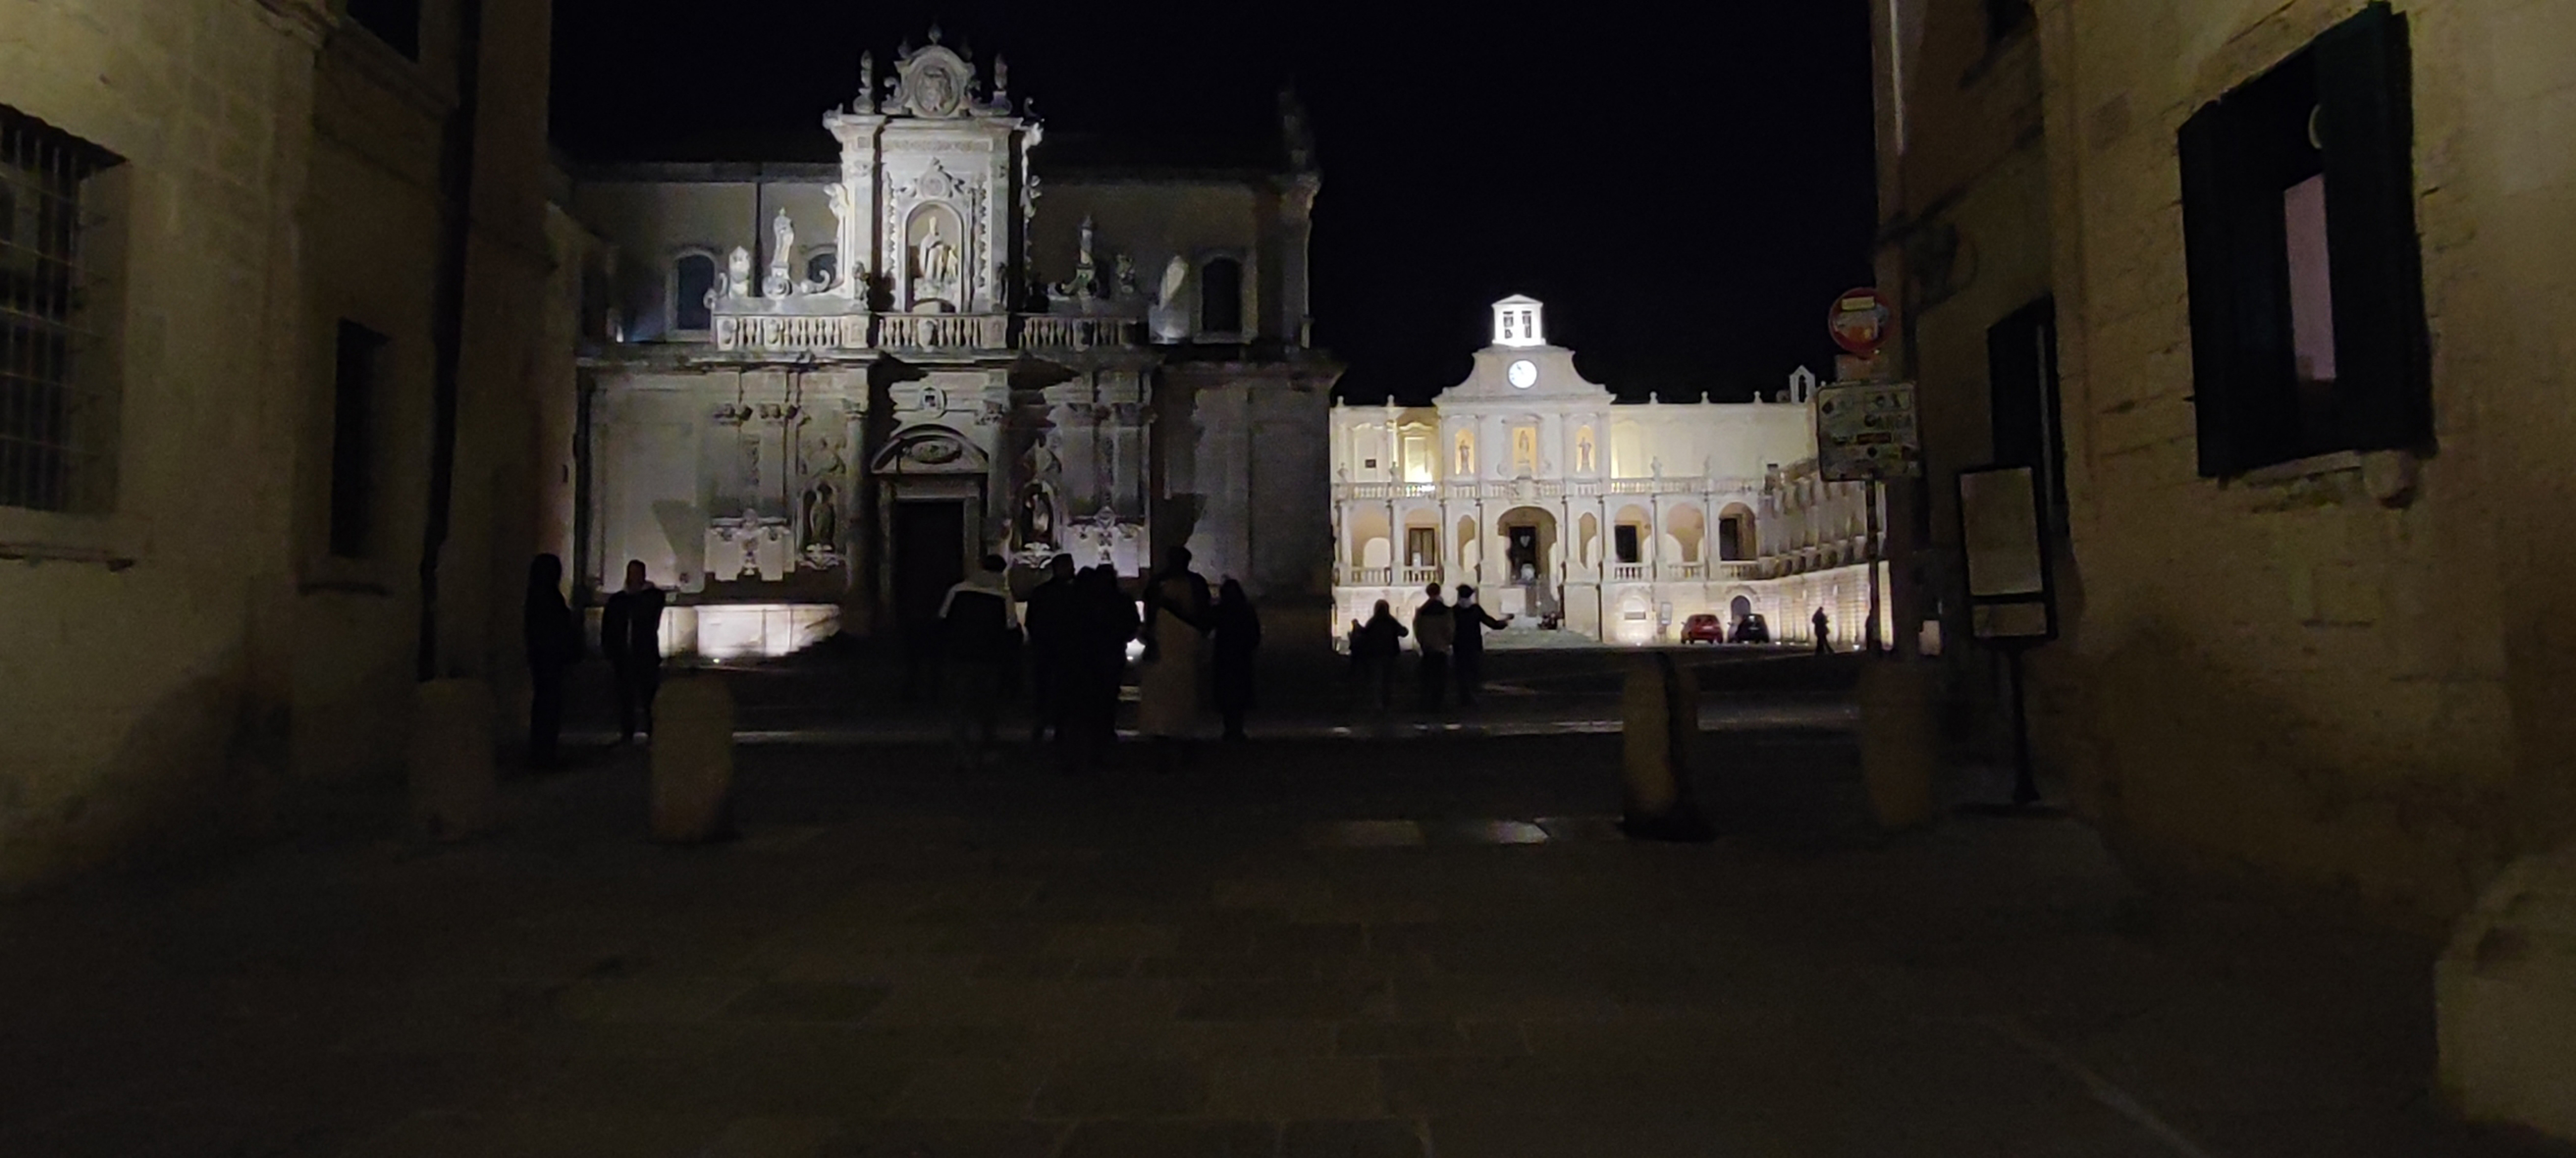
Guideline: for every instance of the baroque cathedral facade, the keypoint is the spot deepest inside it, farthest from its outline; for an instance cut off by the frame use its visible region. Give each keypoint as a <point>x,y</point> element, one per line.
<point>817,391</point>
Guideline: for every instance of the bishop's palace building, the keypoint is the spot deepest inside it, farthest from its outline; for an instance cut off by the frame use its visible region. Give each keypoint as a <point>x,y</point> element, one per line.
<point>813,392</point>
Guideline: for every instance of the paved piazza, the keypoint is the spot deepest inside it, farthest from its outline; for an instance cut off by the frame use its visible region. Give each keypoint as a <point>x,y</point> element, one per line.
<point>1329,947</point>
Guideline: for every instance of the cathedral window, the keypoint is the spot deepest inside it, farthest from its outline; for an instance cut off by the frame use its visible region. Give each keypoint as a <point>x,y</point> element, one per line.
<point>396,22</point>
<point>354,391</point>
<point>1221,298</point>
<point>693,280</point>
<point>60,236</point>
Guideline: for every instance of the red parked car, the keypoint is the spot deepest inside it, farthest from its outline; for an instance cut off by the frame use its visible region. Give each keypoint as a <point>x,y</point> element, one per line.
<point>1703,629</point>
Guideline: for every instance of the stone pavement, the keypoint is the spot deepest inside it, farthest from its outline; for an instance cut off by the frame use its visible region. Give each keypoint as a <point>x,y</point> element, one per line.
<point>1436,947</point>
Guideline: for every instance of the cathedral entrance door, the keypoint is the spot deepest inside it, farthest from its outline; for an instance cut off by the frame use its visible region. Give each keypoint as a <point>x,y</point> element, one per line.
<point>929,557</point>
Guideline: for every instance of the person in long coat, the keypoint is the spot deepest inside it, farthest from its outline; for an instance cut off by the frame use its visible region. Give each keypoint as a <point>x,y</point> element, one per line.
<point>1238,636</point>
<point>553,637</point>
<point>1176,622</point>
<point>1375,648</point>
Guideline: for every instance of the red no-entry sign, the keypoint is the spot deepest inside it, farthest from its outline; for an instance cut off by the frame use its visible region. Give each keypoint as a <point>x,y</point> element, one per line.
<point>1859,321</point>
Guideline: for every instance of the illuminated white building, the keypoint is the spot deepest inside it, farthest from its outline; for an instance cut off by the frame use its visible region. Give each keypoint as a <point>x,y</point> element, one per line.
<point>1553,498</point>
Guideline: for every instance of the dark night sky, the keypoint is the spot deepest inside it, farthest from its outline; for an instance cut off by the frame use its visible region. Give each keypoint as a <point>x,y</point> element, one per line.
<point>1686,192</point>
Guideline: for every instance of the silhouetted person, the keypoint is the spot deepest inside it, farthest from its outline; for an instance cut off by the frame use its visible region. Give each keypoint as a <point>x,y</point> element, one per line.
<point>1176,621</point>
<point>1375,647</point>
<point>1469,651</point>
<point>1824,632</point>
<point>1238,636</point>
<point>1107,624</point>
<point>630,634</point>
<point>553,635</point>
<point>979,633</point>
<point>1435,632</point>
<point>1053,620</point>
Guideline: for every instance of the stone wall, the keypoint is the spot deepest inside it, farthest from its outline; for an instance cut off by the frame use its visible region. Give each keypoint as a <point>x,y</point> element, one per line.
<point>2347,677</point>
<point>195,653</point>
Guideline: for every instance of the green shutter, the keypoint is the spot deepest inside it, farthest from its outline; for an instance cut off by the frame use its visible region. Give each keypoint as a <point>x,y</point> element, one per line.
<point>2382,351</point>
<point>2211,253</point>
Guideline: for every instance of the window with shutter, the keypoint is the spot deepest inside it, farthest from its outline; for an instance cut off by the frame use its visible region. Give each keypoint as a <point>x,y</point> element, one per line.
<point>2307,317</point>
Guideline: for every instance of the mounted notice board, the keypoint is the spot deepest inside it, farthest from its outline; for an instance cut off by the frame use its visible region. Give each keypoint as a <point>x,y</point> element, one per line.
<point>2009,592</point>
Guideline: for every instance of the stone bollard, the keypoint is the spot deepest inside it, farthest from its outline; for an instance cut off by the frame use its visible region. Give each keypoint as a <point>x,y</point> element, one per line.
<point>2504,999</point>
<point>693,761</point>
<point>1659,727</point>
<point>454,785</point>
<point>1897,741</point>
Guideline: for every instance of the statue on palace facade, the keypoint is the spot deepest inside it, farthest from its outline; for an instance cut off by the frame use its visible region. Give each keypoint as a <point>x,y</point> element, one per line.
<point>782,280</point>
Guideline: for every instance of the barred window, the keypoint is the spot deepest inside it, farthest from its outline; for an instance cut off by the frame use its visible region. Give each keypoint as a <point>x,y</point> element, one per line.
<point>57,410</point>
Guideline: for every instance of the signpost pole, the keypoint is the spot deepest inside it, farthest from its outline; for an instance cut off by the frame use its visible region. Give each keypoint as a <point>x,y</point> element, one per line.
<point>1870,555</point>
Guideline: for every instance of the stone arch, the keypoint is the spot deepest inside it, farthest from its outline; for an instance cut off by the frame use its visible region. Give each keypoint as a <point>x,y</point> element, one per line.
<point>1686,533</point>
<point>1529,544</point>
<point>1370,542</point>
<point>1587,539</point>
<point>1631,530</point>
<point>1735,539</point>
<point>1467,552</point>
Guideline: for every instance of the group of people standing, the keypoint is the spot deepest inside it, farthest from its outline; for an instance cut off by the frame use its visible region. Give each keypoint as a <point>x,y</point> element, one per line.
<point>1079,624</point>
<point>1449,644</point>
<point>630,637</point>
<point>1074,644</point>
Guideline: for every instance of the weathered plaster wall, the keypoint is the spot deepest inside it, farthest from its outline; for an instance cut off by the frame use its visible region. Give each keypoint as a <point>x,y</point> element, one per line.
<point>2288,683</point>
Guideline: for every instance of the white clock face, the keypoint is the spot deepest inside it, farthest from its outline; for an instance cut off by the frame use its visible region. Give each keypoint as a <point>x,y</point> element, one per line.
<point>1524,374</point>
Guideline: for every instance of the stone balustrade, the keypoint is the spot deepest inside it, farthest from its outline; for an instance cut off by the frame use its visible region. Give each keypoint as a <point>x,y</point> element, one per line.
<point>1055,332</point>
<point>1528,489</point>
<point>943,331</point>
<point>793,331</point>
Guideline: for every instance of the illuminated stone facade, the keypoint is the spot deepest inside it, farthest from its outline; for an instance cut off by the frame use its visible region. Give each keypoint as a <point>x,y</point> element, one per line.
<point>826,387</point>
<point>1622,521</point>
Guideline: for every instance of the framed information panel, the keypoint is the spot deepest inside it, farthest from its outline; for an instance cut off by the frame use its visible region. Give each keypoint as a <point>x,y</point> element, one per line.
<point>2009,592</point>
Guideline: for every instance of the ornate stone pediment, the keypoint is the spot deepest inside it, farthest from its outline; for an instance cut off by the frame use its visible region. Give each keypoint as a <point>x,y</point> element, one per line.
<point>936,82</point>
<point>930,450</point>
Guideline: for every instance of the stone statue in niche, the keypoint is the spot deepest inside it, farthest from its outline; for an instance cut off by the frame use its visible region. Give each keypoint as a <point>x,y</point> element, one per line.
<point>822,524</point>
<point>1036,517</point>
<point>782,279</point>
